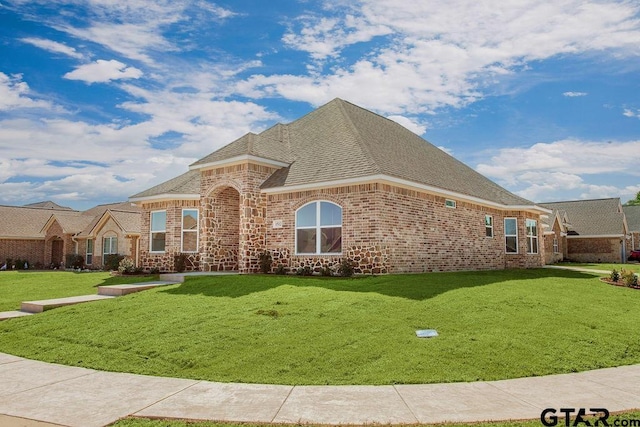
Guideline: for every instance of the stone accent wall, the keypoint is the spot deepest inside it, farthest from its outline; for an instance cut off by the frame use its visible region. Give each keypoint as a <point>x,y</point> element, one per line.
<point>54,253</point>
<point>595,250</point>
<point>552,257</point>
<point>32,250</point>
<point>219,188</point>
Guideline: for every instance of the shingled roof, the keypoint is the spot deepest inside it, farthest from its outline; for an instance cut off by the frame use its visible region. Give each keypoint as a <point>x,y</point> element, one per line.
<point>341,142</point>
<point>187,184</point>
<point>633,217</point>
<point>21,222</point>
<point>589,218</point>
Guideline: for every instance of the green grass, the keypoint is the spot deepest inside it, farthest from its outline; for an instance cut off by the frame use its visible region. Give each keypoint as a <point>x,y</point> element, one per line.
<point>18,286</point>
<point>633,266</point>
<point>143,422</point>
<point>296,330</point>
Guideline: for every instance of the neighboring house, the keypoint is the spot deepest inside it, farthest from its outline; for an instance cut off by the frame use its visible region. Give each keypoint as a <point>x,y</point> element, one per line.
<point>596,230</point>
<point>43,233</point>
<point>556,226</point>
<point>632,213</point>
<point>340,182</point>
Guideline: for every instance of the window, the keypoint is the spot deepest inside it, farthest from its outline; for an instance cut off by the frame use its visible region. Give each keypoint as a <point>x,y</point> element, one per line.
<point>532,236</point>
<point>322,219</point>
<point>110,245</point>
<point>511,235</point>
<point>189,230</point>
<point>88,259</point>
<point>158,230</point>
<point>450,203</point>
<point>556,248</point>
<point>488,225</point>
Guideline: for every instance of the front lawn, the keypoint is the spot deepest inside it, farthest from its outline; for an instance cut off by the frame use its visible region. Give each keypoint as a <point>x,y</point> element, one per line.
<point>298,330</point>
<point>19,286</point>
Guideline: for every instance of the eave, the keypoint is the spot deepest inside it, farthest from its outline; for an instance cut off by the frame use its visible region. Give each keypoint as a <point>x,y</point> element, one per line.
<point>239,160</point>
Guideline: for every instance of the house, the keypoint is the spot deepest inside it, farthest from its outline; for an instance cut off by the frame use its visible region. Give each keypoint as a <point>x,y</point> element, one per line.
<point>632,213</point>
<point>555,228</point>
<point>594,230</point>
<point>340,182</point>
<point>43,233</point>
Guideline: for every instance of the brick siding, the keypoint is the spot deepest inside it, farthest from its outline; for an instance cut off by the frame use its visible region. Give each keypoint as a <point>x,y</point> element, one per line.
<point>31,250</point>
<point>594,250</point>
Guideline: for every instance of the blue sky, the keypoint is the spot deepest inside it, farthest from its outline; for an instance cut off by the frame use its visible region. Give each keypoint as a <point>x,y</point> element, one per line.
<point>101,99</point>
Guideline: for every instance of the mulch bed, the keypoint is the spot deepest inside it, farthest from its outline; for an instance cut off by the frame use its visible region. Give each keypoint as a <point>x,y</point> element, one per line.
<point>618,283</point>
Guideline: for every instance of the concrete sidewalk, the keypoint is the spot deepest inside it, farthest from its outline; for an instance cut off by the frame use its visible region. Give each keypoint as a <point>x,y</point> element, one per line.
<point>35,393</point>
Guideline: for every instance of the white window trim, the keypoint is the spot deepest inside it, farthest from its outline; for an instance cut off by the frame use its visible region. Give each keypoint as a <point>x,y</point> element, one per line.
<point>182,231</point>
<point>316,227</point>
<point>488,226</point>
<point>531,237</point>
<point>151,231</point>
<point>449,203</point>
<point>511,235</point>
<point>556,245</point>
<point>110,238</point>
<point>87,253</point>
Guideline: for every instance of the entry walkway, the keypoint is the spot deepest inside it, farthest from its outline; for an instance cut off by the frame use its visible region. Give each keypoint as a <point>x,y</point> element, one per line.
<point>33,393</point>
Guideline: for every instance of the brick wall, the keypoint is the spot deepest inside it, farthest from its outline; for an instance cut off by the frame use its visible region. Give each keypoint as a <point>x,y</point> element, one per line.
<point>32,250</point>
<point>594,250</point>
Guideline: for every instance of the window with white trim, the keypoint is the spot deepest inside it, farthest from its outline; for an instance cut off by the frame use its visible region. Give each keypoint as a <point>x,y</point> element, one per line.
<point>450,203</point>
<point>488,225</point>
<point>532,236</point>
<point>511,235</point>
<point>319,219</point>
<point>109,245</point>
<point>88,259</point>
<point>556,247</point>
<point>189,230</point>
<point>158,230</point>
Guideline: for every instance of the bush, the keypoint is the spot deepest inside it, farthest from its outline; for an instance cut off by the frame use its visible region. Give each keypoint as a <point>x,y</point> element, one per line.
<point>304,271</point>
<point>345,269</point>
<point>265,261</point>
<point>280,269</point>
<point>74,261</point>
<point>629,278</point>
<point>112,262</point>
<point>127,266</point>
<point>326,271</point>
<point>180,262</point>
<point>614,276</point>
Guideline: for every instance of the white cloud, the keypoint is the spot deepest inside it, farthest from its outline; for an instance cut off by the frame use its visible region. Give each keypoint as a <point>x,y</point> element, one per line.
<point>53,46</point>
<point>412,125</point>
<point>439,54</point>
<point>574,94</point>
<point>565,167</point>
<point>102,71</point>
<point>15,94</point>
<point>630,113</point>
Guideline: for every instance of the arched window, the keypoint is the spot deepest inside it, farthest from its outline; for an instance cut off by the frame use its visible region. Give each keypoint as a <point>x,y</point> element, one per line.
<point>322,219</point>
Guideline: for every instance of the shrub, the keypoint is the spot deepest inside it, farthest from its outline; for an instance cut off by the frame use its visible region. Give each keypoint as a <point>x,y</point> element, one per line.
<point>345,269</point>
<point>74,261</point>
<point>326,271</point>
<point>629,278</point>
<point>280,269</point>
<point>304,271</point>
<point>180,262</point>
<point>265,261</point>
<point>112,262</point>
<point>127,266</point>
<point>614,276</point>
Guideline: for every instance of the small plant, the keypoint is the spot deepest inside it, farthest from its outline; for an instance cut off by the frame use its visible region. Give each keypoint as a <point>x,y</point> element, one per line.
<point>126,266</point>
<point>326,271</point>
<point>280,270</point>
<point>629,278</point>
<point>180,262</point>
<point>614,276</point>
<point>346,267</point>
<point>304,271</point>
<point>265,261</point>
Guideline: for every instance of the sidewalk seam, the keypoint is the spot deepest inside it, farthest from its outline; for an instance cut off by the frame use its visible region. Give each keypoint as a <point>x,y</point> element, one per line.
<point>166,397</point>
<point>415,417</point>
<point>283,402</point>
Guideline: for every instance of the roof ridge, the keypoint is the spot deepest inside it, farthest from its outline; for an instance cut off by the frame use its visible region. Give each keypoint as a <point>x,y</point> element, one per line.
<point>581,200</point>
<point>359,139</point>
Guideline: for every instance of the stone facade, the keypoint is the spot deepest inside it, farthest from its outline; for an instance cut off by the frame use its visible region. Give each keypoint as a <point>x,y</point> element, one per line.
<point>560,253</point>
<point>385,228</point>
